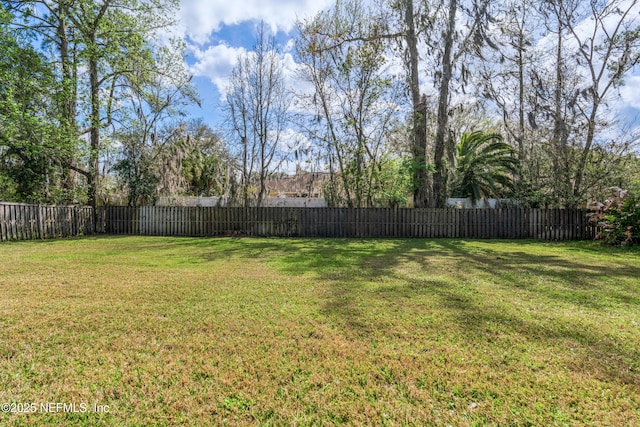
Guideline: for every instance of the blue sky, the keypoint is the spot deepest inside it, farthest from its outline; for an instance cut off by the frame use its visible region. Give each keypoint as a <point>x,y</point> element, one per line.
<point>218,31</point>
<point>211,63</point>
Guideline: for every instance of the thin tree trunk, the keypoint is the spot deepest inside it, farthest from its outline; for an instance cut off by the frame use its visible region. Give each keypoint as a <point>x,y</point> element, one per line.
<point>560,158</point>
<point>94,138</point>
<point>420,178</point>
<point>439,190</point>
<point>69,94</point>
<point>591,130</point>
<point>520,137</point>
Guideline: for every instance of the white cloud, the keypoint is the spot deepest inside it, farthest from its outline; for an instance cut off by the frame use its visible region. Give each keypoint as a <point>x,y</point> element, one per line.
<point>289,46</point>
<point>202,17</point>
<point>216,63</point>
<point>291,71</point>
<point>291,140</point>
<point>630,92</point>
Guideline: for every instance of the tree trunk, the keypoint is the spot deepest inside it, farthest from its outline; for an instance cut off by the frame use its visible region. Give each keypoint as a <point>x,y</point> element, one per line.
<point>560,133</point>
<point>94,138</point>
<point>591,130</point>
<point>245,171</point>
<point>439,177</point>
<point>420,178</point>
<point>69,102</point>
<point>520,137</point>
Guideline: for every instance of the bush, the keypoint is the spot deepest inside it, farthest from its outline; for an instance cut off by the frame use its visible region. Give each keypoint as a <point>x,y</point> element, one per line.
<point>618,218</point>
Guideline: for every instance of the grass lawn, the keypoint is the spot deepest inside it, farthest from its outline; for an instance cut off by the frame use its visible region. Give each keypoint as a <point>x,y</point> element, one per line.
<point>179,331</point>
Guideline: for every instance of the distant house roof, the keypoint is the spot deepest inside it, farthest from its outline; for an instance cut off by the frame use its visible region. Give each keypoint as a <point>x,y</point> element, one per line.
<point>303,184</point>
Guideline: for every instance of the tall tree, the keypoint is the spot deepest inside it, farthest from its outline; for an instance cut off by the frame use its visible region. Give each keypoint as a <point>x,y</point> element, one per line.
<point>155,99</point>
<point>257,107</point>
<point>49,20</point>
<point>463,32</point>
<point>29,131</point>
<point>354,99</point>
<point>608,51</point>
<point>421,181</point>
<point>504,80</point>
<point>589,49</point>
<point>113,35</point>
<point>394,23</point>
<point>507,65</point>
<point>111,42</point>
<point>553,76</point>
<point>450,31</point>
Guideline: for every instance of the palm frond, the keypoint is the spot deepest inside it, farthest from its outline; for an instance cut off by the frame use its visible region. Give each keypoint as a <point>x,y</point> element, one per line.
<point>485,165</point>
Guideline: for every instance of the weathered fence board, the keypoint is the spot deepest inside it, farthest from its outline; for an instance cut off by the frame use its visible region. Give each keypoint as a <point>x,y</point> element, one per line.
<point>19,221</point>
<point>543,224</point>
<point>23,222</point>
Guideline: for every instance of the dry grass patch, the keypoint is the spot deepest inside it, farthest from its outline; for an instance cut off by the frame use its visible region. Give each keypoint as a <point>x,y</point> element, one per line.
<point>169,331</point>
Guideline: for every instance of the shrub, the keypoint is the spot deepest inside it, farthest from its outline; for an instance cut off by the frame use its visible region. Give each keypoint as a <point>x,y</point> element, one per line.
<point>618,218</point>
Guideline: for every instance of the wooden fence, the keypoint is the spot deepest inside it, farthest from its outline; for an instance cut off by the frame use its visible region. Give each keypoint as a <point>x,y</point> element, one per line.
<point>26,222</point>
<point>20,221</point>
<point>542,224</point>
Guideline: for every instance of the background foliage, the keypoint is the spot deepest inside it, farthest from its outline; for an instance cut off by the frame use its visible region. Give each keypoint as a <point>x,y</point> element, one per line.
<point>93,101</point>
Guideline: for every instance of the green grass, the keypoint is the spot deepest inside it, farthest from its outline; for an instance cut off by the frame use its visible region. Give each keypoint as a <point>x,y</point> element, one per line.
<point>178,331</point>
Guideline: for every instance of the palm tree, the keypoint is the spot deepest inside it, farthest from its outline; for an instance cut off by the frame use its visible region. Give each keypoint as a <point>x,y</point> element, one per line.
<point>485,166</point>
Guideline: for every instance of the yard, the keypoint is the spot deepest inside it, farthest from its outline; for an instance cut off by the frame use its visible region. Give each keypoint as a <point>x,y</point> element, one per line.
<point>186,331</point>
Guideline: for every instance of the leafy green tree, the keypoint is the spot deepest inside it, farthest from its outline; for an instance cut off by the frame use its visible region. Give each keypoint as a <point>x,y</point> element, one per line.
<point>101,51</point>
<point>137,172</point>
<point>206,165</point>
<point>394,182</point>
<point>355,100</point>
<point>156,97</point>
<point>113,37</point>
<point>28,129</point>
<point>48,22</point>
<point>485,166</point>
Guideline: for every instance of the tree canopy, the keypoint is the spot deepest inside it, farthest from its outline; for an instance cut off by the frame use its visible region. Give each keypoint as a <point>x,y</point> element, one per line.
<point>399,103</point>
